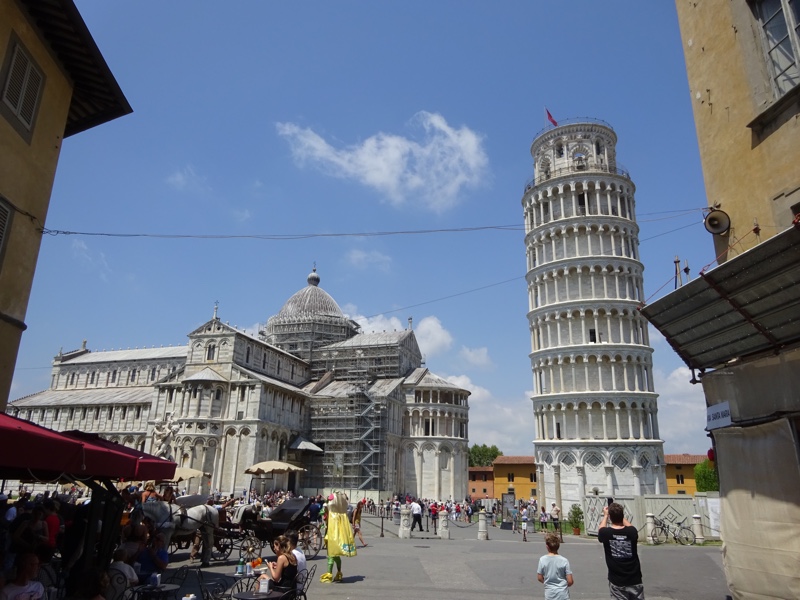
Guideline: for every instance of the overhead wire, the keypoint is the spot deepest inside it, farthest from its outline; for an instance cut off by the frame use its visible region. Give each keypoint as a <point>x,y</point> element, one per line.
<point>303,236</point>
<point>282,237</point>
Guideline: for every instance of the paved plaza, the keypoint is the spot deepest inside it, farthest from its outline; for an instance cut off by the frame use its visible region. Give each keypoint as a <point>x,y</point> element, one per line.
<point>502,567</point>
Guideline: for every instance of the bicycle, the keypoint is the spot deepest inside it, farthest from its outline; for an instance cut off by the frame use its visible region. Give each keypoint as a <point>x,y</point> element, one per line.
<point>679,532</point>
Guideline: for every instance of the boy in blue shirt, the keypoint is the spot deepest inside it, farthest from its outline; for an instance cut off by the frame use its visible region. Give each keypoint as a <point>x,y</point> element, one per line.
<point>554,571</point>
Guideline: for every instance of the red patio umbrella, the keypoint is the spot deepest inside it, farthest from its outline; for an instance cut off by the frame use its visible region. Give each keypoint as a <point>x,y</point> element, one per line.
<point>147,466</point>
<point>29,451</point>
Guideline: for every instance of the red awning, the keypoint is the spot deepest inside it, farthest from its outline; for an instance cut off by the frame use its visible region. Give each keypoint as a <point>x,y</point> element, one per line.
<point>29,451</point>
<point>147,465</point>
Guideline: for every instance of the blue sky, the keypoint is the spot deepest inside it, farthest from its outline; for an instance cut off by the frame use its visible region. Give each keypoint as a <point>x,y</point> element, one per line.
<point>276,118</point>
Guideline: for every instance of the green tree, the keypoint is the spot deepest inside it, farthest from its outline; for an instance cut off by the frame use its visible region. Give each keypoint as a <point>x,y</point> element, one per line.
<point>705,476</point>
<point>483,455</point>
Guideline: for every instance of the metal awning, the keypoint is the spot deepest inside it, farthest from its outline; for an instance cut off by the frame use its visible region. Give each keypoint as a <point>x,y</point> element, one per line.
<point>747,306</point>
<point>301,443</point>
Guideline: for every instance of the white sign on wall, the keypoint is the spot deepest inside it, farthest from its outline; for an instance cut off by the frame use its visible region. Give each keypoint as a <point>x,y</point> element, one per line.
<point>718,416</point>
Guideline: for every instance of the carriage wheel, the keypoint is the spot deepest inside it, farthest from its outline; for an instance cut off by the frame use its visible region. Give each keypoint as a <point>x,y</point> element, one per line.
<point>250,548</point>
<point>309,539</point>
<point>223,546</point>
<point>178,544</point>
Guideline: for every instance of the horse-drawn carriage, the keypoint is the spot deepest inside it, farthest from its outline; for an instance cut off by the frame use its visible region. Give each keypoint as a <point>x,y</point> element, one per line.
<point>258,533</point>
<point>245,530</point>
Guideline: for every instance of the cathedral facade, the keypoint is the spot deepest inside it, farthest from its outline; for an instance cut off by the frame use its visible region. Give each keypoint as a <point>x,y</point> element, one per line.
<point>358,411</point>
<point>595,406</point>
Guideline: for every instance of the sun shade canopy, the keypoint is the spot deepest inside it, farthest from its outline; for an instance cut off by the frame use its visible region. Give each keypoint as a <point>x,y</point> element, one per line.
<point>748,306</point>
<point>272,466</point>
<point>32,452</point>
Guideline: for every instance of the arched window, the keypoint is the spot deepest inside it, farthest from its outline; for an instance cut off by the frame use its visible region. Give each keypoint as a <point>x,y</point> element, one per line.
<point>72,379</point>
<point>247,355</point>
<point>133,375</point>
<point>212,349</point>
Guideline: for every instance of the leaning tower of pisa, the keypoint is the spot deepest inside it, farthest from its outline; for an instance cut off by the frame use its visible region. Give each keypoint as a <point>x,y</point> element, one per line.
<point>594,403</point>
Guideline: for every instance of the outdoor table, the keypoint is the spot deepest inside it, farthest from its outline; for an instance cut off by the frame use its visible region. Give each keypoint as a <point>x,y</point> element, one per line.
<point>274,593</point>
<point>150,592</point>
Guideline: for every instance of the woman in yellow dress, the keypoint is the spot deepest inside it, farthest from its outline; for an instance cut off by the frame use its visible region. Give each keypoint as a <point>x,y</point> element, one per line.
<point>338,535</point>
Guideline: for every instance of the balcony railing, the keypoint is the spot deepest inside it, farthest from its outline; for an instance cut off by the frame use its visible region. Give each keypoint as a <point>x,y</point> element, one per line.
<point>573,121</point>
<point>577,167</point>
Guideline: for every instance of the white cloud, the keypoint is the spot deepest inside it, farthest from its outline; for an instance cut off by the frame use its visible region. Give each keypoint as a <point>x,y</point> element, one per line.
<point>374,324</point>
<point>433,170</point>
<point>361,259</point>
<point>681,412</point>
<point>477,357</point>
<point>432,337</point>
<point>505,423</point>
<point>93,261</point>
<point>242,215</point>
<point>188,180</point>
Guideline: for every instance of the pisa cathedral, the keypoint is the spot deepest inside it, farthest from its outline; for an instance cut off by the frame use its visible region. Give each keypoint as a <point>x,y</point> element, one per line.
<point>359,411</point>
<point>594,403</point>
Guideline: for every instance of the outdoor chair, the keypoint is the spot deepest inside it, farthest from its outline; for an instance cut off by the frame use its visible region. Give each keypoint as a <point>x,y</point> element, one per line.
<point>50,576</point>
<point>245,584</point>
<point>211,590</point>
<point>177,577</point>
<point>303,579</point>
<point>117,586</point>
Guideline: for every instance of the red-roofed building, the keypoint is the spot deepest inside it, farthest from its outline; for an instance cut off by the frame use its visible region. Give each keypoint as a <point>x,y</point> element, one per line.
<point>481,482</point>
<point>680,472</point>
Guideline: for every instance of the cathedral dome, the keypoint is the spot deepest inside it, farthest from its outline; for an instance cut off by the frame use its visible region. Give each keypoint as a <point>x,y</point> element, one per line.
<point>311,300</point>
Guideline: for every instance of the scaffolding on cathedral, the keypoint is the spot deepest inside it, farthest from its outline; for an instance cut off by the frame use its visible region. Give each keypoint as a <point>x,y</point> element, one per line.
<point>351,431</point>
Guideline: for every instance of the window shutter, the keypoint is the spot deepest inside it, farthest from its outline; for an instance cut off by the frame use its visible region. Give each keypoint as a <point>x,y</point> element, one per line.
<point>16,80</point>
<point>21,92</point>
<point>27,108</point>
<point>5,220</point>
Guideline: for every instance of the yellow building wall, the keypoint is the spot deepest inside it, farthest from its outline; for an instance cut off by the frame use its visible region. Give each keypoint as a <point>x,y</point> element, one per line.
<point>751,172</point>
<point>27,171</point>
<point>522,486</point>
<point>689,486</point>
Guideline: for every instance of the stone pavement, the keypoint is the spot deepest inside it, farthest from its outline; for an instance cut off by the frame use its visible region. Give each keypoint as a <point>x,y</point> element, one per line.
<point>464,568</point>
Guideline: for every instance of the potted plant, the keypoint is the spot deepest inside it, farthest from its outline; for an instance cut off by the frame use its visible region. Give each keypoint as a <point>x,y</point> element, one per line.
<point>575,518</point>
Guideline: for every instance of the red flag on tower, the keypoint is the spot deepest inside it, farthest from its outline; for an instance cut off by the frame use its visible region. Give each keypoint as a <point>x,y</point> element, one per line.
<point>550,118</point>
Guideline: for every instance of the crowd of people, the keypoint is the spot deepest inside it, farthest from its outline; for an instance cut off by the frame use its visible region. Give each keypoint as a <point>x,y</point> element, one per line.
<point>35,528</point>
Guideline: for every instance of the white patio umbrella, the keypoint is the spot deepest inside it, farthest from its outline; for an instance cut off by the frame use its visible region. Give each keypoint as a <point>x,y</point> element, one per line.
<point>184,473</point>
<point>272,466</point>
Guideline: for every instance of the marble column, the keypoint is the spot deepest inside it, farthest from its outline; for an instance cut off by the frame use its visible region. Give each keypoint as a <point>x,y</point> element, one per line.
<point>609,480</point>
<point>541,496</point>
<point>557,484</point>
